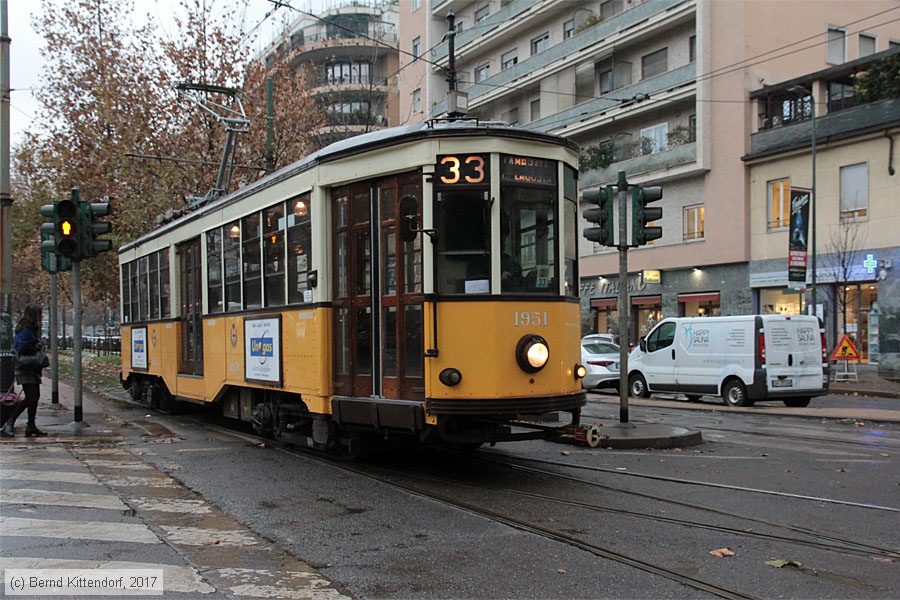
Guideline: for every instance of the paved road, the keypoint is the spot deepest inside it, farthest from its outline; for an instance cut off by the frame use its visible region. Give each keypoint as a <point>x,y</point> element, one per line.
<point>540,520</point>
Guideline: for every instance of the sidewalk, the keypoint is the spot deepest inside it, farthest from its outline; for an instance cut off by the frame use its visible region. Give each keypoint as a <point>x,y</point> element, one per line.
<point>876,387</point>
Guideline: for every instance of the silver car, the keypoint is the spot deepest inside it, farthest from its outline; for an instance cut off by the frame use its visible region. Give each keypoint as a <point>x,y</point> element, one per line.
<point>601,359</point>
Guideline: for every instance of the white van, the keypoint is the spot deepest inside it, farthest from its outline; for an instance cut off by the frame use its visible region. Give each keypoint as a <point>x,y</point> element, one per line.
<point>741,358</point>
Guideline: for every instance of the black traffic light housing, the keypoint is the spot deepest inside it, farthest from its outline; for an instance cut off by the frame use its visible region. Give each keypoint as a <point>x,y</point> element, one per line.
<point>642,215</point>
<point>91,228</point>
<point>602,215</point>
<point>67,230</point>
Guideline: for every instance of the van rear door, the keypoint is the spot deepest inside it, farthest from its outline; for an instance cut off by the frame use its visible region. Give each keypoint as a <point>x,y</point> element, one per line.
<point>793,353</point>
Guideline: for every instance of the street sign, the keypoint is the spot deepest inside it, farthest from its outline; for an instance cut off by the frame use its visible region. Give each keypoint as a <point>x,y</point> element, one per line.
<point>845,350</point>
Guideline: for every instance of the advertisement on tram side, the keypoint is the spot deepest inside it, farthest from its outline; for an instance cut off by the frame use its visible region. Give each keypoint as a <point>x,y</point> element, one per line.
<point>139,348</point>
<point>262,350</point>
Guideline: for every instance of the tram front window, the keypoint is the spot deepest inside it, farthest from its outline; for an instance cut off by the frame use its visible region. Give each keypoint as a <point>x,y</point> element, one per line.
<point>528,241</point>
<point>463,243</point>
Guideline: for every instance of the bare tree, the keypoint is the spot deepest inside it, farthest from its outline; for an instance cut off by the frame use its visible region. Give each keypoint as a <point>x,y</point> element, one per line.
<point>843,250</point>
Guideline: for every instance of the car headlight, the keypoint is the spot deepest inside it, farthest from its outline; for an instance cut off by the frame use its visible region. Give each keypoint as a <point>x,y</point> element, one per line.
<point>532,353</point>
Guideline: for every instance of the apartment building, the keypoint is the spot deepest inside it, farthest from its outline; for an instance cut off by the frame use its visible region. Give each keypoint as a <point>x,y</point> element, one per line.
<point>351,49</point>
<point>857,203</point>
<point>656,88</point>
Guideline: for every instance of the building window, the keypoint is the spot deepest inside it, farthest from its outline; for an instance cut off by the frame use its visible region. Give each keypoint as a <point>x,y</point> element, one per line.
<point>606,81</point>
<point>482,73</point>
<point>692,48</point>
<point>568,29</point>
<point>416,5</point>
<point>610,8</point>
<point>459,26</point>
<point>867,44</point>
<point>416,48</point>
<point>417,100</point>
<point>512,117</point>
<point>482,13</point>
<point>654,63</point>
<point>654,139</point>
<point>693,222</point>
<point>840,96</point>
<point>508,59</point>
<point>837,46</point>
<point>893,44</point>
<point>540,43</point>
<point>535,109</point>
<point>779,204</point>
<point>692,127</point>
<point>584,82</point>
<point>854,191</point>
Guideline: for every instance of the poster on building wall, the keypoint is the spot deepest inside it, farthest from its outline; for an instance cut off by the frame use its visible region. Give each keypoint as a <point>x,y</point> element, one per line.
<point>139,348</point>
<point>798,238</point>
<point>262,350</point>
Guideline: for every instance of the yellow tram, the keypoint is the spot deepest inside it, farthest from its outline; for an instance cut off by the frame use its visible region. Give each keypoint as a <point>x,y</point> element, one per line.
<point>416,281</point>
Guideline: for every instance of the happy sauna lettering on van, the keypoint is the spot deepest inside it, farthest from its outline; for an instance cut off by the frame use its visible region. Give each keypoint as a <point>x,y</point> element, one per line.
<point>779,336</point>
<point>695,337</point>
<point>736,338</point>
<point>806,336</point>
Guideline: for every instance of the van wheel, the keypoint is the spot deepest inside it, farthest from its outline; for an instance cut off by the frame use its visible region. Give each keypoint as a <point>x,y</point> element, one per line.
<point>637,386</point>
<point>734,392</point>
<point>796,402</point>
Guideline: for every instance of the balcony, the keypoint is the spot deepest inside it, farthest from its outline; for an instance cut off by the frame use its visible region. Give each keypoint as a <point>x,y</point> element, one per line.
<point>589,42</point>
<point>684,154</point>
<point>322,43</point>
<point>874,116</point>
<point>324,87</point>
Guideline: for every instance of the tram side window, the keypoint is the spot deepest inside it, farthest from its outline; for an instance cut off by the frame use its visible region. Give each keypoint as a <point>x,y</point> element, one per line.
<point>412,252</point>
<point>299,247</point>
<point>164,283</point>
<point>463,222</point>
<point>154,285</point>
<point>135,292</point>
<point>144,287</point>
<point>214,291</point>
<point>528,240</point>
<point>231,245</point>
<point>273,242</point>
<point>126,293</point>
<point>252,261</point>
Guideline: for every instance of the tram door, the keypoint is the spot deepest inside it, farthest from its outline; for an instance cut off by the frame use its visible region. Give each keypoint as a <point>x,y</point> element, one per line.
<point>189,266</point>
<point>377,323</point>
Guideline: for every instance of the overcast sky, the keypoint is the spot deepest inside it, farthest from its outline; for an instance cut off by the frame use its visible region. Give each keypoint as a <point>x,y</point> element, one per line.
<point>26,63</point>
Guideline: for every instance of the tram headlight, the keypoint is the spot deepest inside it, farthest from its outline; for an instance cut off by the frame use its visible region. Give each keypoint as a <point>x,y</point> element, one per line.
<point>450,377</point>
<point>532,353</point>
<point>580,371</point>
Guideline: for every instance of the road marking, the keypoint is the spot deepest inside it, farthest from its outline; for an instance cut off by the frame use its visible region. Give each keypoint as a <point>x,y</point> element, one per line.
<point>673,455</point>
<point>176,578</point>
<point>154,482</point>
<point>172,505</point>
<point>30,459</point>
<point>56,476</point>
<point>195,536</point>
<point>43,497</point>
<point>853,460</point>
<point>80,530</point>
<point>111,464</point>
<point>205,449</point>
<point>263,583</point>
<point>766,444</point>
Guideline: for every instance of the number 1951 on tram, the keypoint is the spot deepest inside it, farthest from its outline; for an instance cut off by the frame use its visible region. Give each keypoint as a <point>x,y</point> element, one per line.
<point>419,281</point>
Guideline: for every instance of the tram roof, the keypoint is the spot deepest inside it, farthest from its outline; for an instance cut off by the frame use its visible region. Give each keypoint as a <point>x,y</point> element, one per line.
<point>355,145</point>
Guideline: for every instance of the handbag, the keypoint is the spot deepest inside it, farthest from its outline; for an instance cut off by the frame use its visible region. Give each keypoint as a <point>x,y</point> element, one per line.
<point>32,362</point>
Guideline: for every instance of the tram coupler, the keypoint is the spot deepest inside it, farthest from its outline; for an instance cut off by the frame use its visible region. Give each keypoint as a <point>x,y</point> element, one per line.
<point>579,435</point>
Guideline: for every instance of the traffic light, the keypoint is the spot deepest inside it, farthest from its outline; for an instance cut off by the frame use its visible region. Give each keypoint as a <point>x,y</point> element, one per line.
<point>642,215</point>
<point>91,228</point>
<point>602,216</point>
<point>67,232</point>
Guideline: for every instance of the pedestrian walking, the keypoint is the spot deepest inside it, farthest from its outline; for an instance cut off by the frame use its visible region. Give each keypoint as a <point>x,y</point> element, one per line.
<point>30,360</point>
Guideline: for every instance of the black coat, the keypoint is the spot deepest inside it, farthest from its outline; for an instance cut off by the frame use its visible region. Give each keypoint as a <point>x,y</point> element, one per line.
<point>27,342</point>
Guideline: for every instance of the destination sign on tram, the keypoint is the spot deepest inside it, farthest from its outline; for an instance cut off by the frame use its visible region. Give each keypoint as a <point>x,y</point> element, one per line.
<point>462,169</point>
<point>527,170</point>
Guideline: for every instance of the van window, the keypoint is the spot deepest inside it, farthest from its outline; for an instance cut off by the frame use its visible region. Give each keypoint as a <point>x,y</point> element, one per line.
<point>661,337</point>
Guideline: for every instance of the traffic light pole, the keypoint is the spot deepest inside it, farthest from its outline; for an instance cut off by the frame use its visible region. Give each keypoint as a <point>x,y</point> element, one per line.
<point>79,423</point>
<point>623,298</point>
<point>54,343</point>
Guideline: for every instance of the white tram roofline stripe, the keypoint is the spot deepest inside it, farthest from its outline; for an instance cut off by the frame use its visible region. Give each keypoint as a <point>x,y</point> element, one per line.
<point>78,530</point>
<point>48,498</point>
<point>177,578</point>
<point>52,476</point>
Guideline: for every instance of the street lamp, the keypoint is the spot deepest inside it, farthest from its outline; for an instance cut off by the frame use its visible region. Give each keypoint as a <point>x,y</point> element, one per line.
<point>803,93</point>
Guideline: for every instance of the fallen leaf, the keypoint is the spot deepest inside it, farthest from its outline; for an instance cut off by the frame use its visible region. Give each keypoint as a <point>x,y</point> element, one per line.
<point>884,454</point>
<point>859,423</point>
<point>841,470</point>
<point>780,563</point>
<point>678,450</point>
<point>763,454</point>
<point>721,553</point>
<point>565,453</point>
<point>883,559</point>
<point>562,571</point>
<point>261,445</point>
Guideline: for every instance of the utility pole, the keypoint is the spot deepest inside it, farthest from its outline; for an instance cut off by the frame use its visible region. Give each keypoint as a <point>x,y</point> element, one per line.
<point>6,360</point>
<point>270,126</point>
<point>54,342</point>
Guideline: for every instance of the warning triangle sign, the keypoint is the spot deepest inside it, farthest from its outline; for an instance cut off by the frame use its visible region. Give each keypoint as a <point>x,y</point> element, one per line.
<point>845,350</point>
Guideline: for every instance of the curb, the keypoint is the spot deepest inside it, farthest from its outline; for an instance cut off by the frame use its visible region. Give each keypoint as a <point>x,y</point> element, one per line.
<point>648,435</point>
